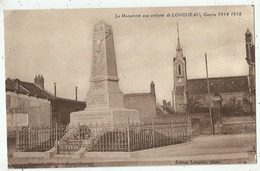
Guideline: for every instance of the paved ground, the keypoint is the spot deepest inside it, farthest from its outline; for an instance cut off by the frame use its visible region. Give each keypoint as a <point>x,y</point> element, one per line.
<point>201,150</point>
<point>205,145</point>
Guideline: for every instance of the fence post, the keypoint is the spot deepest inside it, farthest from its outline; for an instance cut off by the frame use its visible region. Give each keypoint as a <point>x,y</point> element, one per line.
<point>128,135</point>
<point>103,136</point>
<point>173,132</point>
<point>79,135</point>
<point>189,128</point>
<point>37,138</point>
<point>56,137</point>
<point>153,135</point>
<point>17,139</point>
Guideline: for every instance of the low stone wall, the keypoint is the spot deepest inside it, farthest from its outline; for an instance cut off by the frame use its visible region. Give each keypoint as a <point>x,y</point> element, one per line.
<point>237,125</point>
<point>204,120</point>
<point>238,119</point>
<point>46,154</point>
<point>239,128</point>
<point>107,155</point>
<point>10,146</point>
<point>29,154</point>
<point>230,125</point>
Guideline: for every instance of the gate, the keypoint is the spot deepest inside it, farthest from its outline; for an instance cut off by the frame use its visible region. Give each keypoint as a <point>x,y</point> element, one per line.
<point>195,125</point>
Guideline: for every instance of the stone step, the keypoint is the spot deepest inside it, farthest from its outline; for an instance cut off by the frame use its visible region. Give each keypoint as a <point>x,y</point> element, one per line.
<point>63,155</point>
<point>71,154</point>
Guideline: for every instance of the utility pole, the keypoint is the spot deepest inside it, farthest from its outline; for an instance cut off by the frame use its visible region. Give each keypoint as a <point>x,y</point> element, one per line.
<point>55,89</point>
<point>76,93</point>
<point>210,113</point>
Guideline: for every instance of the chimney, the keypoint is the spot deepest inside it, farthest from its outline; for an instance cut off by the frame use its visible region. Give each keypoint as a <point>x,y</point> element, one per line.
<point>152,87</point>
<point>169,105</point>
<point>164,103</point>
<point>39,80</point>
<point>76,93</point>
<point>55,89</point>
<point>17,84</point>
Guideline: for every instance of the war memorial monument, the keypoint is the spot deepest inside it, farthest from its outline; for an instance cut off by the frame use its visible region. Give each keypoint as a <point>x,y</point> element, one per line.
<point>105,101</point>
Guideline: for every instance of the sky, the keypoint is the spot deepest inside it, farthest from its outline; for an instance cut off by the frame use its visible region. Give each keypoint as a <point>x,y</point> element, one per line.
<point>58,45</point>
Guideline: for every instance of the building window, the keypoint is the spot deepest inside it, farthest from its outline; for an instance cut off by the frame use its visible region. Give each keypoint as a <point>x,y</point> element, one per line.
<point>179,70</point>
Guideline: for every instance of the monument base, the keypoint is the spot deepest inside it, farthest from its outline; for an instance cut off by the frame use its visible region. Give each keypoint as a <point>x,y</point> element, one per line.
<point>106,115</point>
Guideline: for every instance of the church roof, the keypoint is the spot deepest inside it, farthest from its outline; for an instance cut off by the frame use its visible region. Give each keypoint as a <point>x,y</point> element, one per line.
<point>218,85</point>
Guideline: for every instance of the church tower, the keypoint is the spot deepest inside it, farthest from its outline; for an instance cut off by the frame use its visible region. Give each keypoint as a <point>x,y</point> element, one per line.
<point>250,58</point>
<point>179,94</point>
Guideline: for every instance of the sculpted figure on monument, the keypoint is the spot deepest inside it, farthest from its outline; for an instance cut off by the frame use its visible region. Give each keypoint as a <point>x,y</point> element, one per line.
<point>98,65</point>
<point>98,85</point>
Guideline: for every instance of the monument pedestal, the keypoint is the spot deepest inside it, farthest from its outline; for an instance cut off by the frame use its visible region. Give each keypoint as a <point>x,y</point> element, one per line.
<point>108,115</point>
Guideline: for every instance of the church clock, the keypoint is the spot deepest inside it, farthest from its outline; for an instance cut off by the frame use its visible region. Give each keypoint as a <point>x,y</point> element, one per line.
<point>180,80</point>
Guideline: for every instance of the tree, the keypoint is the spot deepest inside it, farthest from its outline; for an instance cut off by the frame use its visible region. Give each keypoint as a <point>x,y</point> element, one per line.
<point>194,102</point>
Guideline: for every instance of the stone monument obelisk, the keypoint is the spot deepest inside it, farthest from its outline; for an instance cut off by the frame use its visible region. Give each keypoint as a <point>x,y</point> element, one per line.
<point>105,101</point>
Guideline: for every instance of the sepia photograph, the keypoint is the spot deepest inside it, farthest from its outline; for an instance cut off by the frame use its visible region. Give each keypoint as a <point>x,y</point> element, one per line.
<point>146,86</point>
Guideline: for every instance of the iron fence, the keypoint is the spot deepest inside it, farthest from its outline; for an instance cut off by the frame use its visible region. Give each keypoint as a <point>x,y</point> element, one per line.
<point>37,138</point>
<point>103,137</point>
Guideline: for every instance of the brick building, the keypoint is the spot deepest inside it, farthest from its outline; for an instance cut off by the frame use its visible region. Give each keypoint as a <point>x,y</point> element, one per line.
<point>145,103</point>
